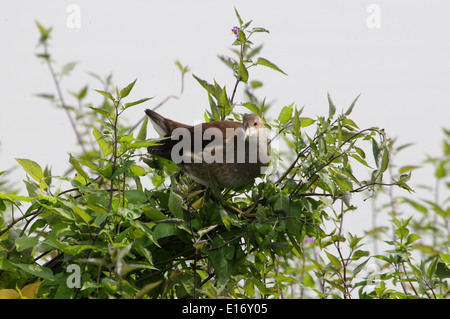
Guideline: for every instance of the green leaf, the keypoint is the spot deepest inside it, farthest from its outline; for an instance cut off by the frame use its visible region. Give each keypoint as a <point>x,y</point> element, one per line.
<point>242,73</point>
<point>222,266</point>
<point>261,287</point>
<point>412,238</point>
<point>45,34</point>
<point>105,94</point>
<point>332,107</point>
<point>164,230</point>
<point>283,278</point>
<point>256,84</point>
<point>249,287</point>
<point>206,230</point>
<point>334,260</point>
<point>36,270</point>
<point>408,168</point>
<point>78,168</point>
<point>181,67</point>
<point>223,98</point>
<point>252,107</point>
<point>359,159</point>
<point>82,213</point>
<point>175,205</point>
<point>376,151</point>
<point>146,143</point>
<point>67,68</point>
<point>23,243</point>
<point>354,241</point>
<point>122,168</point>
<point>137,170</point>
<point>306,121</point>
<point>241,36</point>
<point>40,223</point>
<point>127,105</point>
<point>438,209</point>
<point>350,108</point>
<point>308,281</point>
<point>445,258</point>
<point>82,94</point>
<point>103,112</point>
<point>125,91</point>
<point>60,211</point>
<point>146,229</point>
<point>416,270</point>
<point>79,211</point>
<point>360,267</point>
<point>402,181</point>
<point>432,268</point>
<point>384,161</point>
<point>360,253</point>
<point>207,86</point>
<point>104,145</point>
<point>226,219</point>
<point>47,96</point>
<point>32,168</point>
<point>416,205</point>
<point>440,170</point>
<point>402,232</point>
<point>282,205</point>
<point>257,29</point>
<point>267,63</point>
<point>142,135</point>
<point>238,16</point>
<point>344,182</point>
<point>129,214</point>
<point>349,122</point>
<point>285,115</point>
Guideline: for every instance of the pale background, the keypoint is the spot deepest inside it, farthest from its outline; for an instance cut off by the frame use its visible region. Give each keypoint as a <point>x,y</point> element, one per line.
<point>400,64</point>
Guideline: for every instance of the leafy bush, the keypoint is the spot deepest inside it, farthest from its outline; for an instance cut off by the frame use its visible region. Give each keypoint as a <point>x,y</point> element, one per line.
<point>109,236</point>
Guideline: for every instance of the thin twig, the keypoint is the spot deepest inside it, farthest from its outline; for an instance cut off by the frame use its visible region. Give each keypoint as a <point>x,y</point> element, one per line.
<point>111,193</point>
<point>61,97</point>
<point>338,248</point>
<point>298,157</point>
<point>194,266</point>
<point>331,159</point>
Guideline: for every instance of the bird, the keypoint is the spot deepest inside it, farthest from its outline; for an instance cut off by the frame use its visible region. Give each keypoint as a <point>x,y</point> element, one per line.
<point>224,152</point>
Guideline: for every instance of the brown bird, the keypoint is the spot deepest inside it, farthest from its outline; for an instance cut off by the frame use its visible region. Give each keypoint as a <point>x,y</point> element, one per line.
<point>232,153</point>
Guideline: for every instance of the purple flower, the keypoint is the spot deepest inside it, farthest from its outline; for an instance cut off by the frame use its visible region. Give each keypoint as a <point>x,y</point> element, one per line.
<point>235,31</point>
<point>309,240</point>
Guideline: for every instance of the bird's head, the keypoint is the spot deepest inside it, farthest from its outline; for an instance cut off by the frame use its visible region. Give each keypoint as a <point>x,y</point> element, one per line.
<point>252,124</point>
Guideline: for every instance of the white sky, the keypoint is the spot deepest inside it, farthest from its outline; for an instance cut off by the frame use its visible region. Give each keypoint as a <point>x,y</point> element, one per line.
<point>401,68</point>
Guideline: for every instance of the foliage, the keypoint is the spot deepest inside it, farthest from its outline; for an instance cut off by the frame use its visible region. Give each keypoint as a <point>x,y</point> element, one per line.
<point>111,236</point>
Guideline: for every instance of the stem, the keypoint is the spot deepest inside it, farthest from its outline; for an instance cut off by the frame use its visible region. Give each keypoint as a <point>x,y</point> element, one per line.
<point>331,159</point>
<point>194,266</point>
<point>238,80</point>
<point>61,97</point>
<point>344,263</point>
<point>111,193</point>
<point>234,90</point>
<point>27,223</point>
<point>298,157</point>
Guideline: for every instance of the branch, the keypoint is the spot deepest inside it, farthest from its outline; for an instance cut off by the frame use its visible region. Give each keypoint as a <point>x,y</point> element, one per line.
<point>298,157</point>
<point>331,159</point>
<point>61,97</point>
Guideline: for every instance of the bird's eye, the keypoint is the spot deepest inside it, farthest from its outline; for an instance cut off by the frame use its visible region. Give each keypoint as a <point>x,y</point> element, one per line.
<point>254,124</point>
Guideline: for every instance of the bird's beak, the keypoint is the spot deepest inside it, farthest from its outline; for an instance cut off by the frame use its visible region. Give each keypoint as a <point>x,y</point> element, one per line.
<point>246,129</point>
